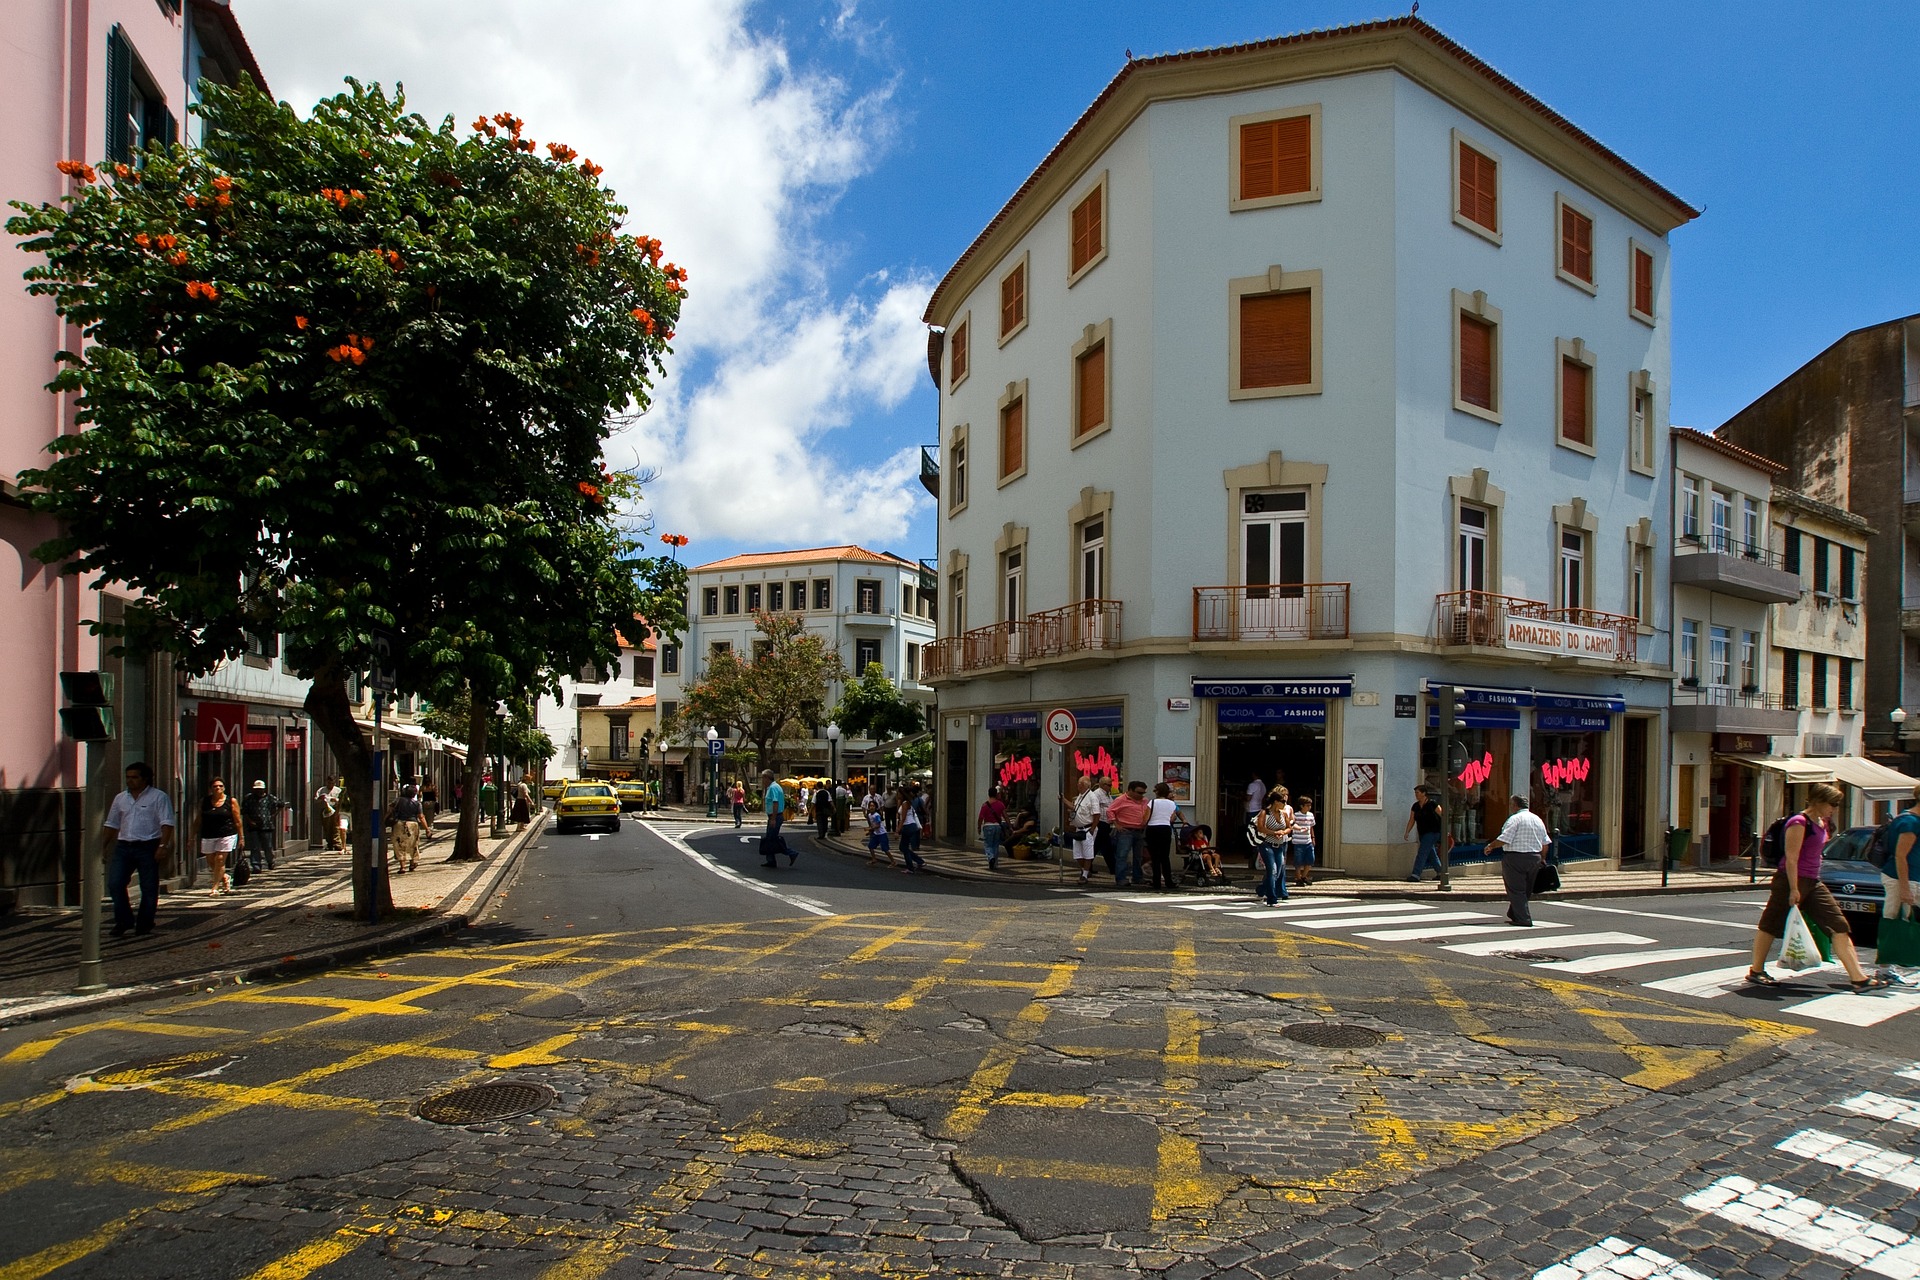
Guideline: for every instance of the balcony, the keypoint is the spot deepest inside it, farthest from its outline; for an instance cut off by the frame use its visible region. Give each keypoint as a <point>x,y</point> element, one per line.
<point>930,468</point>
<point>1086,631</point>
<point>1724,709</point>
<point>1716,561</point>
<point>1483,620</point>
<point>1271,614</point>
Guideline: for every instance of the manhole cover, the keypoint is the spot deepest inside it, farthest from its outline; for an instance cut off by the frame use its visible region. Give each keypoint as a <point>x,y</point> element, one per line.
<point>1532,957</point>
<point>1332,1035</point>
<point>485,1102</point>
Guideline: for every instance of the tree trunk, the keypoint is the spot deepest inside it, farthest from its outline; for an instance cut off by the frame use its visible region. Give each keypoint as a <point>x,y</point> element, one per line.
<point>466,844</point>
<point>331,712</point>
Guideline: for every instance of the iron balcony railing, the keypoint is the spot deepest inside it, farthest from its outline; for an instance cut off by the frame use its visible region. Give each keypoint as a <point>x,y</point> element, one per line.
<point>1272,614</point>
<point>1088,626</point>
<point>930,468</point>
<point>1715,542</point>
<point>1481,618</point>
<point>1726,695</point>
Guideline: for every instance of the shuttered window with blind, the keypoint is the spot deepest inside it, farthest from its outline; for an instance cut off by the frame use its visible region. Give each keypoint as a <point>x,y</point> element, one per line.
<point>1013,300</point>
<point>1576,245</point>
<point>1276,339</point>
<point>1476,361</point>
<point>1576,383</point>
<point>1013,438</point>
<point>1090,390</point>
<point>1089,230</point>
<point>1276,157</point>
<point>1642,283</point>
<point>1479,195</point>
<point>957,358</point>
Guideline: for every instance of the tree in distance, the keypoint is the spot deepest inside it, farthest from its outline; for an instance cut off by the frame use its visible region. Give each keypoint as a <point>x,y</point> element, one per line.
<point>871,707</point>
<point>764,702</point>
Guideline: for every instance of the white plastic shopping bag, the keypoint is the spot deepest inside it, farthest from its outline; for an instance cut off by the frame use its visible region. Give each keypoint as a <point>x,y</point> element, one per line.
<point>1798,949</point>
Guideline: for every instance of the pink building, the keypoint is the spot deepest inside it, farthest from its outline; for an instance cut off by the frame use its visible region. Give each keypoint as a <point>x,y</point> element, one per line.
<point>94,80</point>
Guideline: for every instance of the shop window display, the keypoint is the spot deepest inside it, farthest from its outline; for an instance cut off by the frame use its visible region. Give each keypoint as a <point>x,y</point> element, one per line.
<point>1564,788</point>
<point>1476,790</point>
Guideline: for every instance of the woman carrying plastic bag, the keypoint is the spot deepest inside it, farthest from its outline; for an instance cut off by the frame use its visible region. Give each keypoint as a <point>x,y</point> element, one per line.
<point>1796,892</point>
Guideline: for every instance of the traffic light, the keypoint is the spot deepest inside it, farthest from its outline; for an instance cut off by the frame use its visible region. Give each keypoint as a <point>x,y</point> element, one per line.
<point>1451,702</point>
<point>88,715</point>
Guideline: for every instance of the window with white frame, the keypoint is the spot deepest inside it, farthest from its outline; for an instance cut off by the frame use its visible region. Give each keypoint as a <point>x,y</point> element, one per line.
<point>1750,661</point>
<point>1013,585</point>
<point>1720,519</point>
<point>1093,560</point>
<point>1750,526</point>
<point>1720,656</point>
<point>957,601</point>
<point>1640,584</point>
<point>957,471</point>
<point>1640,424</point>
<point>865,654</point>
<point>1690,508</point>
<point>1474,549</point>
<point>1690,651</point>
<point>1573,568</point>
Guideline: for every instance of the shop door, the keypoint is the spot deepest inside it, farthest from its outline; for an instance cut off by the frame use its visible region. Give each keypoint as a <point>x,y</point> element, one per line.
<point>1273,565</point>
<point>959,805</point>
<point>1689,812</point>
<point>1633,789</point>
<point>1728,801</point>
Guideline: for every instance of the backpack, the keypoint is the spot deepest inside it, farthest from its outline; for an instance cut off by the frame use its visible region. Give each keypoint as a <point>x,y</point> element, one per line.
<point>1879,848</point>
<point>1773,845</point>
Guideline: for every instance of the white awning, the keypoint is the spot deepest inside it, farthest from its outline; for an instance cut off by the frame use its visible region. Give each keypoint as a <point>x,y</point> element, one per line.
<point>394,729</point>
<point>1876,779</point>
<point>1796,769</point>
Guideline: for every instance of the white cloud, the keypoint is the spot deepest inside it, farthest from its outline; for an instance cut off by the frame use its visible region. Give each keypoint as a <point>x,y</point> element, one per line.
<point>731,155</point>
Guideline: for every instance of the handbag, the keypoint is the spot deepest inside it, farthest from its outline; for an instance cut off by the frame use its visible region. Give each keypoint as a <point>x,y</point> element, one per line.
<point>1899,939</point>
<point>1546,879</point>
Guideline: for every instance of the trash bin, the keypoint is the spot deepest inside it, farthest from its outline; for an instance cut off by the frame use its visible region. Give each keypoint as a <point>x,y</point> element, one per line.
<point>1677,842</point>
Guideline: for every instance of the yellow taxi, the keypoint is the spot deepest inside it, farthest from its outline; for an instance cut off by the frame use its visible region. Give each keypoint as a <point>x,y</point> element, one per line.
<point>553,790</point>
<point>633,795</point>
<point>585,804</point>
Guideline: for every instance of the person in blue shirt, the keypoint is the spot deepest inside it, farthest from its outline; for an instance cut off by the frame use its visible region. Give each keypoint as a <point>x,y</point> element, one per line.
<point>774,801</point>
<point>1897,872</point>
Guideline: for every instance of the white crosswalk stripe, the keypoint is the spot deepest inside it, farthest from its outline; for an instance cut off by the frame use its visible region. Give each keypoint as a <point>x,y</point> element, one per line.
<point>1879,1106</point>
<point>1393,917</point>
<point>1860,1158</point>
<point>1617,1259</point>
<point>1838,1233</point>
<point>1859,1010</point>
<point>1634,959</point>
<point>1557,942</point>
<point>1430,932</point>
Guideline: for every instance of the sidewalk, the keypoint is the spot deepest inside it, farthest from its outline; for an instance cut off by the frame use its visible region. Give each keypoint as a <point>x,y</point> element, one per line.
<point>296,917</point>
<point>1473,882</point>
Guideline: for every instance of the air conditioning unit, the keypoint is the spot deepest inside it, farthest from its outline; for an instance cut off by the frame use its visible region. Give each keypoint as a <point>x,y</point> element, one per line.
<point>1472,626</point>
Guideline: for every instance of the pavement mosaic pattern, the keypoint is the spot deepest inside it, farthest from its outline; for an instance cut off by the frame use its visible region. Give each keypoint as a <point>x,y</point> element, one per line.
<point>1064,1091</point>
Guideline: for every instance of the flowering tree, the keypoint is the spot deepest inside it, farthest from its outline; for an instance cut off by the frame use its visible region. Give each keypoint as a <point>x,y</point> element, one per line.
<point>347,374</point>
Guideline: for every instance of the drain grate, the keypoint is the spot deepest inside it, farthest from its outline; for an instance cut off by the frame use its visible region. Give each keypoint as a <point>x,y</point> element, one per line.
<point>482,1102</point>
<point>1332,1035</point>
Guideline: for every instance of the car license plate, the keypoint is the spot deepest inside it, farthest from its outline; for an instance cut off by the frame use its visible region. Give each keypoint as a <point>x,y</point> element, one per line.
<point>1861,908</point>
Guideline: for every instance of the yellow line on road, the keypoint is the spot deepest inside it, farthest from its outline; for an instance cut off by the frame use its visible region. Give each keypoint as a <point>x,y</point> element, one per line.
<point>309,1258</point>
<point>53,1257</point>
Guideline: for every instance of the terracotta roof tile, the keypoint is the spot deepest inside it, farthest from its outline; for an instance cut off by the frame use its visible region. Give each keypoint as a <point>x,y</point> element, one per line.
<point>810,555</point>
<point>1726,448</point>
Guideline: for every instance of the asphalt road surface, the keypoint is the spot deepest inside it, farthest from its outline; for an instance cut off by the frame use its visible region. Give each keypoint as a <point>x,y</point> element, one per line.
<point>691,1064</point>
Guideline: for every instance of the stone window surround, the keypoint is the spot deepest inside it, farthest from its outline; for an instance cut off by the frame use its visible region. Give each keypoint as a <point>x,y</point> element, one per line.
<point>1094,504</point>
<point>1580,353</point>
<point>1562,201</point>
<point>1640,545</point>
<point>1013,537</point>
<point>1235,204</point>
<point>1092,336</point>
<point>959,440</point>
<point>957,564</point>
<point>1474,489</point>
<point>1640,380</point>
<point>1022,264</point>
<point>1276,473</point>
<point>1576,516</point>
<point>1276,280</point>
<point>1499,193</point>
<point>1015,391</point>
<point>1476,305</point>
<point>1633,244</point>
<point>964,323</point>
<point>1106,228</point>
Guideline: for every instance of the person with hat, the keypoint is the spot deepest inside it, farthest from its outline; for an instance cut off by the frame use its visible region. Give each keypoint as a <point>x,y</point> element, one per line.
<point>259,815</point>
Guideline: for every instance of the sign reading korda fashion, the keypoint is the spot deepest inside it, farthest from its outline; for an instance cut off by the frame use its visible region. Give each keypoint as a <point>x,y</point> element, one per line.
<point>1560,637</point>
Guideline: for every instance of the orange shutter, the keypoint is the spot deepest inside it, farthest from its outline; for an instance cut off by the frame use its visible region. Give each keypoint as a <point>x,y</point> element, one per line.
<point>1643,282</point>
<point>1013,438</point>
<point>1086,230</point>
<point>1573,402</point>
<point>1476,361</point>
<point>959,364</point>
<point>1576,244</point>
<point>1276,339</point>
<point>1013,300</point>
<point>1276,157</point>
<point>1479,188</point>
<point>1256,161</point>
<point>1093,391</point>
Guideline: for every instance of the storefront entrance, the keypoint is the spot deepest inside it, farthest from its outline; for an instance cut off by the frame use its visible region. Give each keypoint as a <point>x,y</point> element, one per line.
<point>1282,744</point>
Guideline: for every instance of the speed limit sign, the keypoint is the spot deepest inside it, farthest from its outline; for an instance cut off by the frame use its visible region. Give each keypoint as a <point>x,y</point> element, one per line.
<point>1062,728</point>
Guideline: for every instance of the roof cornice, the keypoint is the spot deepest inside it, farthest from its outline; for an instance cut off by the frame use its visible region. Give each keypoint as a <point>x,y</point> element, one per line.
<point>1408,45</point>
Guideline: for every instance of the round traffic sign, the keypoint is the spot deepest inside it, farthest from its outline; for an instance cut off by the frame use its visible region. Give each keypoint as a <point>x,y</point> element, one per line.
<point>1062,728</point>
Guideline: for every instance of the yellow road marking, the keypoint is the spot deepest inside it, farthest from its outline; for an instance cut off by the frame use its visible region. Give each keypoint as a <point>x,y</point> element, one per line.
<point>53,1257</point>
<point>309,1258</point>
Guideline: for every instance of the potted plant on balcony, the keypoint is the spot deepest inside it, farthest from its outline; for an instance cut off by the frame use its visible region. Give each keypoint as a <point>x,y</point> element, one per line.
<point>1690,682</point>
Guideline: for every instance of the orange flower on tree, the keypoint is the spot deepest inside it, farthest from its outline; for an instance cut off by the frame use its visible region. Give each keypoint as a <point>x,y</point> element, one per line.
<point>178,257</point>
<point>561,151</point>
<point>300,323</point>
<point>223,183</point>
<point>643,318</point>
<point>589,490</point>
<point>122,171</point>
<point>167,241</point>
<point>591,169</point>
<point>79,169</point>
<point>193,201</point>
<point>143,240</point>
<point>202,290</point>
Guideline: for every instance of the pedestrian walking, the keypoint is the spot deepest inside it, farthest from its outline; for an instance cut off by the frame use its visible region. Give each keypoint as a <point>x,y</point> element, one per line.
<point>138,833</point>
<point>992,821</point>
<point>218,830</point>
<point>1128,814</point>
<point>1256,805</point>
<point>1521,842</point>
<point>1302,840</point>
<point>522,804</point>
<point>1897,870</point>
<point>1428,818</point>
<point>326,808</point>
<point>260,820</point>
<point>738,798</point>
<point>1272,832</point>
<point>774,802</point>
<point>1088,807</point>
<point>405,826</point>
<point>823,809</point>
<point>911,816</point>
<point>1796,886</point>
<point>429,804</point>
<point>1161,812</point>
<point>876,831</point>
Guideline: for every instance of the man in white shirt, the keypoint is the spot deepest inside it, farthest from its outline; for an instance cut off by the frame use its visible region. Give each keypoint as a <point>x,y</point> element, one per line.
<point>138,829</point>
<point>1520,843</point>
<point>1256,802</point>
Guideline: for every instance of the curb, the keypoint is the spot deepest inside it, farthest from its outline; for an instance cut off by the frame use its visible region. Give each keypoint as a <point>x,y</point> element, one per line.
<point>301,962</point>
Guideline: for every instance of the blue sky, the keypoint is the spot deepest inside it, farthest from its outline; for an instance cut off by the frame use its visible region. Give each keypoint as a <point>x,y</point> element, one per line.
<point>890,133</point>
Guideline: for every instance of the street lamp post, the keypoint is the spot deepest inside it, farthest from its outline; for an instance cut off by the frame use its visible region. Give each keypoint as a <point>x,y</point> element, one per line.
<point>713,774</point>
<point>833,771</point>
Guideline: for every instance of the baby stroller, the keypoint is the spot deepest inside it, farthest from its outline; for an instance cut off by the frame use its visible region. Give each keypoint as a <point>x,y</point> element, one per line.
<point>1201,861</point>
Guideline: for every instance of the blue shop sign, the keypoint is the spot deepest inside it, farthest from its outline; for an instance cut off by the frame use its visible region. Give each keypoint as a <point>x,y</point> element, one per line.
<point>1579,702</point>
<point>1486,696</point>
<point>1013,721</point>
<point>1328,687</point>
<point>1479,717</point>
<point>1242,711</point>
<point>1571,722</point>
<point>1098,717</point>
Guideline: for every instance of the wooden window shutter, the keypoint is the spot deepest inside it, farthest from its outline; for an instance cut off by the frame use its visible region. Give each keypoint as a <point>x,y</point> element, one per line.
<point>959,357</point>
<point>1276,157</point>
<point>119,97</point>
<point>1013,438</point>
<point>1087,230</point>
<point>1576,244</point>
<point>1092,370</point>
<point>1476,361</point>
<point>1643,282</point>
<point>1574,378</point>
<point>1276,339</point>
<point>1479,188</point>
<point>1013,300</point>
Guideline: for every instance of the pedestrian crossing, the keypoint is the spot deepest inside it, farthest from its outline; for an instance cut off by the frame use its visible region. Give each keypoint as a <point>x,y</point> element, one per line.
<point>1464,930</point>
<point>1774,1212</point>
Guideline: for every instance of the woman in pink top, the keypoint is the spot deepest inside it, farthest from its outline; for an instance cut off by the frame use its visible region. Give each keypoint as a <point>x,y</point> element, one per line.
<point>1797,884</point>
<point>993,825</point>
